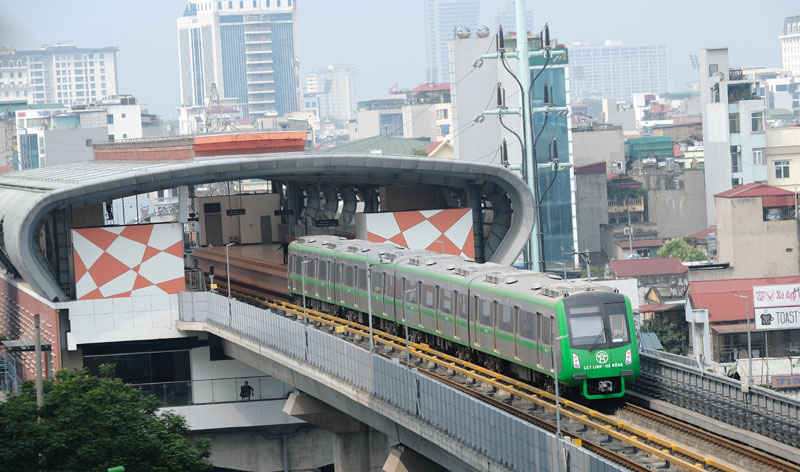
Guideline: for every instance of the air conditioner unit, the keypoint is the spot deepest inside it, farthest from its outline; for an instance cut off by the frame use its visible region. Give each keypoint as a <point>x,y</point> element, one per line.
<point>626,231</point>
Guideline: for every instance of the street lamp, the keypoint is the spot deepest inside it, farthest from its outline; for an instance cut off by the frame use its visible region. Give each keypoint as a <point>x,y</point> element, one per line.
<point>228,268</point>
<point>405,318</point>
<point>369,307</point>
<point>749,350</point>
<point>555,379</point>
<point>303,271</point>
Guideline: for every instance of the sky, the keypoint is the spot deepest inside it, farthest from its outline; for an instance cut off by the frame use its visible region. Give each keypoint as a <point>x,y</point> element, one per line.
<point>384,39</point>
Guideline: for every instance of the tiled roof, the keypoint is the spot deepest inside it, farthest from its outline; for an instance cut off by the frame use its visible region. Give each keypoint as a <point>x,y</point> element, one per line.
<point>432,147</point>
<point>593,168</point>
<point>719,296</point>
<point>655,266</point>
<point>704,233</point>
<point>754,190</point>
<point>432,88</point>
<point>640,244</point>
<point>656,308</point>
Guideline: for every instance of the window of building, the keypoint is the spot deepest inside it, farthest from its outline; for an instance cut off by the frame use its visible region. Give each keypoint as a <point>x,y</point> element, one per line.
<point>289,2</point>
<point>255,3</point>
<point>124,115</point>
<point>758,157</point>
<point>230,5</point>
<point>109,119</point>
<point>88,143</point>
<point>278,3</point>
<point>241,3</point>
<point>111,138</point>
<point>713,69</point>
<point>124,135</point>
<point>757,121</point>
<point>733,122</point>
<point>267,3</point>
<point>219,5</point>
<point>781,169</point>
<point>736,182</point>
<point>736,159</point>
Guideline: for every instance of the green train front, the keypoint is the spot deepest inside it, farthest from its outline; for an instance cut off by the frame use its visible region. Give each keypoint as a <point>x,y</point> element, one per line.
<point>599,353</point>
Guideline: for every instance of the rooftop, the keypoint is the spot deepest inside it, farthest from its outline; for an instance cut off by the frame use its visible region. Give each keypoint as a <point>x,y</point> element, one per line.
<point>641,267</point>
<point>388,145</point>
<point>643,243</point>
<point>704,233</point>
<point>754,190</point>
<point>720,298</point>
<point>432,88</point>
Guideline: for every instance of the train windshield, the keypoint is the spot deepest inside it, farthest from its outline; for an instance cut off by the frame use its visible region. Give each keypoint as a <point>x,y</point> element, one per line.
<point>586,327</point>
<point>598,327</point>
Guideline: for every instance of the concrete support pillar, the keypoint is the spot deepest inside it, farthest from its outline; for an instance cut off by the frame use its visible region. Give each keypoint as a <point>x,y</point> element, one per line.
<point>474,201</point>
<point>183,204</point>
<point>356,447</point>
<point>403,459</point>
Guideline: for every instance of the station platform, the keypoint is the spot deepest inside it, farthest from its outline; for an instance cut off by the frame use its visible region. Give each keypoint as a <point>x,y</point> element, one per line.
<point>257,265</point>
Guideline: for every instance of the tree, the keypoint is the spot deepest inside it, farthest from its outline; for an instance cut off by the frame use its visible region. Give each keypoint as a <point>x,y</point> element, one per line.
<point>419,152</point>
<point>90,423</point>
<point>680,248</point>
<point>673,338</point>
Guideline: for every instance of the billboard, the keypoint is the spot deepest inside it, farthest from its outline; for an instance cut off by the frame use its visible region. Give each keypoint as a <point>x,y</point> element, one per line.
<point>443,231</point>
<point>126,261</point>
<point>777,306</point>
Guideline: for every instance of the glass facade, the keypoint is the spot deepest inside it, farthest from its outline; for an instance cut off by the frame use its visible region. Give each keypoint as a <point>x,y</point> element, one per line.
<point>618,71</point>
<point>197,67</point>
<point>283,57</point>
<point>233,63</point>
<point>554,186</point>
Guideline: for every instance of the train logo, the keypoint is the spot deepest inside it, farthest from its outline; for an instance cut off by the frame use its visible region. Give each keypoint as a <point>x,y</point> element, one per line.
<point>602,357</point>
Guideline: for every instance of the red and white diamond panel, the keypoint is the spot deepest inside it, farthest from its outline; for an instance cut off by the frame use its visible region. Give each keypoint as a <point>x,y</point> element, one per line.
<point>126,261</point>
<point>448,231</point>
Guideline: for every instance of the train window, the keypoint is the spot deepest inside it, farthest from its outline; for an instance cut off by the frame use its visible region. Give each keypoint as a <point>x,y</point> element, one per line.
<point>527,325</point>
<point>410,291</point>
<point>362,279</point>
<point>485,312</point>
<point>587,330</point>
<point>446,301</point>
<point>310,268</point>
<point>290,267</point>
<point>617,322</point>
<point>349,276</point>
<point>505,318</point>
<point>377,279</point>
<point>547,330</point>
<point>428,296</point>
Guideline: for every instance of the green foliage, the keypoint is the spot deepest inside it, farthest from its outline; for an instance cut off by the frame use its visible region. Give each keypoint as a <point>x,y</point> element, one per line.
<point>680,248</point>
<point>419,152</point>
<point>623,193</point>
<point>673,338</point>
<point>90,423</point>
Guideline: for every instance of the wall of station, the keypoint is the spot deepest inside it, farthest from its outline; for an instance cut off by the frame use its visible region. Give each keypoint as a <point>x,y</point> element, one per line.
<point>218,227</point>
<point>18,304</point>
<point>443,231</point>
<point>125,261</point>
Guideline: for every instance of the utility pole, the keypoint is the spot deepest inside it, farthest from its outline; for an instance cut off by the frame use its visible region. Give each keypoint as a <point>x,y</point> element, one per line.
<point>630,232</point>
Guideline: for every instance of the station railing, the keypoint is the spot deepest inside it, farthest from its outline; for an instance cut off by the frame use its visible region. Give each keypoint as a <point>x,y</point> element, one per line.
<point>200,392</point>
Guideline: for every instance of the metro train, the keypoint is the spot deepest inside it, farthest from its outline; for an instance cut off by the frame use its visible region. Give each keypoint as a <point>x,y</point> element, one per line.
<point>512,321</point>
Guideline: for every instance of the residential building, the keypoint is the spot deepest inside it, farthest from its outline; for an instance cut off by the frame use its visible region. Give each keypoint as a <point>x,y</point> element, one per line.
<point>243,50</point>
<point>591,193</point>
<point>790,44</point>
<point>481,139</point>
<point>424,112</point>
<point>600,142</point>
<point>783,158</point>
<point>619,113</point>
<point>733,127</point>
<point>15,82</point>
<point>336,91</point>
<point>675,200</point>
<point>617,71</point>
<point>668,275</point>
<point>64,73</point>
<point>757,231</point>
<point>442,19</point>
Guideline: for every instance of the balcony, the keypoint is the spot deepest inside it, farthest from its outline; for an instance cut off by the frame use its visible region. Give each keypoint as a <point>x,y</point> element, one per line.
<point>628,204</point>
<point>201,392</point>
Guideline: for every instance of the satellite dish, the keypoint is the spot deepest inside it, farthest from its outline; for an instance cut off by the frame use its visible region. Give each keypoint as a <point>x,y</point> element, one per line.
<point>483,31</point>
<point>719,76</point>
<point>463,32</point>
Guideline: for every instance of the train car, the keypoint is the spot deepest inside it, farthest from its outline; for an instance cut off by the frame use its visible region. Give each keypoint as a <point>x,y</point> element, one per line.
<point>514,321</point>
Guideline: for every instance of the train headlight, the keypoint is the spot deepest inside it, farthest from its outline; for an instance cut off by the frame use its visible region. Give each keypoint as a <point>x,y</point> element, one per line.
<point>628,358</point>
<point>576,363</point>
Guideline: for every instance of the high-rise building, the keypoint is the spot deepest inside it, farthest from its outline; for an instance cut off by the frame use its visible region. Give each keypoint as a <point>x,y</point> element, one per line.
<point>442,19</point>
<point>243,48</point>
<point>733,127</point>
<point>336,88</point>
<point>617,71</point>
<point>62,73</point>
<point>790,44</point>
<point>481,139</point>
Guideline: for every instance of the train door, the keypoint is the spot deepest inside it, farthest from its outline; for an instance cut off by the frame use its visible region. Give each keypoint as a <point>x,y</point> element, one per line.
<point>376,291</point>
<point>427,312</point>
<point>527,343</point>
<point>322,279</point>
<point>504,330</point>
<point>340,281</point>
<point>545,334</point>
<point>411,302</point>
<point>462,317</point>
<point>388,295</point>
<point>485,323</point>
<point>360,293</point>
<point>312,281</point>
<point>446,313</point>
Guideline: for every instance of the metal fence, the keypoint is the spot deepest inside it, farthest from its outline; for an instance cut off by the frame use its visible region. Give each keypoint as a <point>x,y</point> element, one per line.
<point>761,410</point>
<point>405,395</point>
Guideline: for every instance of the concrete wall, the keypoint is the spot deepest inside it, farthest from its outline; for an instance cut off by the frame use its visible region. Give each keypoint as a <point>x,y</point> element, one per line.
<point>676,212</point>
<point>70,145</point>
<point>606,145</point>
<point>592,206</point>
<point>246,227</point>
<point>752,246</point>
